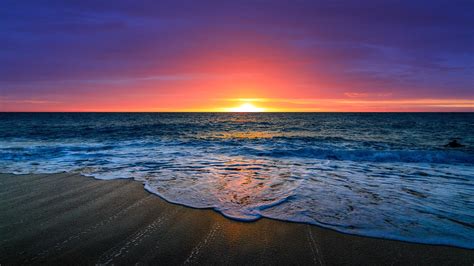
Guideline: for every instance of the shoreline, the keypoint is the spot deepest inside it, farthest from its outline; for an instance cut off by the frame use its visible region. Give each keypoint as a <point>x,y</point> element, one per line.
<point>281,220</point>
<point>284,221</point>
<point>74,219</point>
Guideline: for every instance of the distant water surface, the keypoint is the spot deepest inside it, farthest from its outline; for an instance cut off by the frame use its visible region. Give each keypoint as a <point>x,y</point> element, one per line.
<point>372,174</point>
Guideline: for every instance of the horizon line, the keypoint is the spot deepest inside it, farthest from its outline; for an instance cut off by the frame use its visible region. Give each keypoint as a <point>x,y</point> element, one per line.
<point>226,112</point>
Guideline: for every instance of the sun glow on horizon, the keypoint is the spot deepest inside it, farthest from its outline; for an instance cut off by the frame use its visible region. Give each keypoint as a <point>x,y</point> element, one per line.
<point>246,108</point>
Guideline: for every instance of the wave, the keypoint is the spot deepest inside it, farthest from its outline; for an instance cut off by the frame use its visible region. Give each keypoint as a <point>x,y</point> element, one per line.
<point>410,156</point>
<point>54,150</point>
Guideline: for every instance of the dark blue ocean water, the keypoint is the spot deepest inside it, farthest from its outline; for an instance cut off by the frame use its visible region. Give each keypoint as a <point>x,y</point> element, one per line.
<point>383,175</point>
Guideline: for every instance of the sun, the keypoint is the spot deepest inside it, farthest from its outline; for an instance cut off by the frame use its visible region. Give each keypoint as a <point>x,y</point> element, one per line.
<point>246,108</point>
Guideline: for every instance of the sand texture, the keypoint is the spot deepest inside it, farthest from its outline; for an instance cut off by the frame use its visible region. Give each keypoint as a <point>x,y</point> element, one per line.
<point>72,219</point>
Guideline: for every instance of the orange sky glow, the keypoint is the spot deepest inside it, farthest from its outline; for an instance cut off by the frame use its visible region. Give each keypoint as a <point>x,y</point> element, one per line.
<point>224,86</point>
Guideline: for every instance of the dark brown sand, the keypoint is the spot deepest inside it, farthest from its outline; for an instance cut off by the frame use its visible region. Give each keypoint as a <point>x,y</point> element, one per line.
<point>71,219</point>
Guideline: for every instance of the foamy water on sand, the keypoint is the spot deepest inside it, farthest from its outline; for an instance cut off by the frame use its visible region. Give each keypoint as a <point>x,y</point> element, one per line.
<point>383,175</point>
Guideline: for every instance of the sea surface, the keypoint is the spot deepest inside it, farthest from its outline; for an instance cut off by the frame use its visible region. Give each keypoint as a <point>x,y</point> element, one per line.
<point>385,175</point>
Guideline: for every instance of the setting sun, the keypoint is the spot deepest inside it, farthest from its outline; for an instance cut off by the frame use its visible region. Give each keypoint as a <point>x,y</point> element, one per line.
<point>247,107</point>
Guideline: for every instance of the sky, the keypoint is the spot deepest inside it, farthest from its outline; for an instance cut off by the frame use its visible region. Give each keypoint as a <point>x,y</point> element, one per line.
<point>291,55</point>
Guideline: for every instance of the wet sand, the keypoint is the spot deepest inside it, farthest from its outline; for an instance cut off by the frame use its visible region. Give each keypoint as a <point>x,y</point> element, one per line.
<point>71,219</point>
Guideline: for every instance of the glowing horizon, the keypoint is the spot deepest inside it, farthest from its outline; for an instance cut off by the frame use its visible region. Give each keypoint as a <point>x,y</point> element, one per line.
<point>296,105</point>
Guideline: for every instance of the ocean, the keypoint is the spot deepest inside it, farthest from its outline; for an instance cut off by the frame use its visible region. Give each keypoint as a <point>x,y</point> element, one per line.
<point>385,175</point>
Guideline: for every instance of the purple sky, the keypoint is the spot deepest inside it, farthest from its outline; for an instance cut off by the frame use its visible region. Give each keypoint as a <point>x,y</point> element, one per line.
<point>103,55</point>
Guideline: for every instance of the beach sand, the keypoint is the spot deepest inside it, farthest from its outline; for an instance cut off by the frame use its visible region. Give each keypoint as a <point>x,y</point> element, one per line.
<point>72,219</point>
